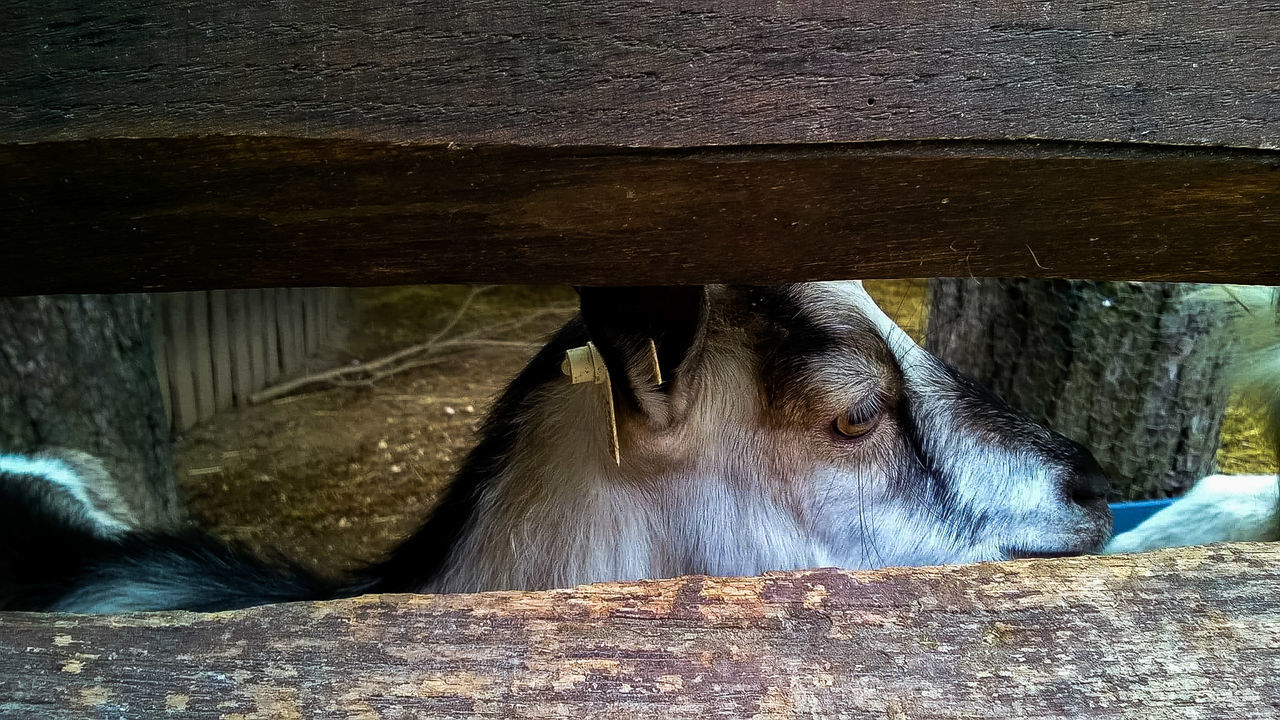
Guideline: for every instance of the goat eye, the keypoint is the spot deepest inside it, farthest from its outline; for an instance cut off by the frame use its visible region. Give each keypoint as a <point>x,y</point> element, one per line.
<point>857,422</point>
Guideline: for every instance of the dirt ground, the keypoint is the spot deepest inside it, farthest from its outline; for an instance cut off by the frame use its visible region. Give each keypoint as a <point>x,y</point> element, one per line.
<point>336,476</point>
<point>333,477</point>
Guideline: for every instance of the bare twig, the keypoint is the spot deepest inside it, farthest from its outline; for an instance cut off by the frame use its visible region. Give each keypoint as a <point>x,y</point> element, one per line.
<point>483,342</point>
<point>366,374</point>
<point>462,310</point>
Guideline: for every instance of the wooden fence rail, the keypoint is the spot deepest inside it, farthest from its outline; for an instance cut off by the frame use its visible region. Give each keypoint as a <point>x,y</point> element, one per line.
<point>276,212</point>
<point>215,349</point>
<point>190,145</point>
<point>1177,634</point>
<point>655,73</point>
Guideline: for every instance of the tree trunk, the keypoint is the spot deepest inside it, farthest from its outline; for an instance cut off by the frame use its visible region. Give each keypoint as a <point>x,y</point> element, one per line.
<point>1119,367</point>
<point>78,371</point>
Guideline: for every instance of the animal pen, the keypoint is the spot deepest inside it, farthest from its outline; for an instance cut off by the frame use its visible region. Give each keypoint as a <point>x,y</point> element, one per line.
<point>204,147</point>
<point>215,349</point>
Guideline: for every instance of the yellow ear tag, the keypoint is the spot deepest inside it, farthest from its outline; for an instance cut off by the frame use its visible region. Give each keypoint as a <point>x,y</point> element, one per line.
<point>585,364</point>
<point>653,358</point>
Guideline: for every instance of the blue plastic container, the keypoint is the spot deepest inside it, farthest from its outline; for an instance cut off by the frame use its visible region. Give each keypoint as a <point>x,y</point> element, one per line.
<point>1129,515</point>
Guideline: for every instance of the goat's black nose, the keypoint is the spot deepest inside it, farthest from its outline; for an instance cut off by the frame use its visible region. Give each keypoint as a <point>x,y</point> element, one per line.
<point>1086,482</point>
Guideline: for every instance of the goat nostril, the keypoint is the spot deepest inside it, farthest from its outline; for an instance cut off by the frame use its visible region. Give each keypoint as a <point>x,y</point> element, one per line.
<point>1085,488</point>
<point>1085,482</point>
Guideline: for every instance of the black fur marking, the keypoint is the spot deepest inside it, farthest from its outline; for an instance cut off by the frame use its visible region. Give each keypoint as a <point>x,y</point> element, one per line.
<point>45,559</point>
<point>1084,482</point>
<point>40,552</point>
<point>928,482</point>
<point>788,341</point>
<point>789,321</point>
<point>622,320</point>
<point>48,562</point>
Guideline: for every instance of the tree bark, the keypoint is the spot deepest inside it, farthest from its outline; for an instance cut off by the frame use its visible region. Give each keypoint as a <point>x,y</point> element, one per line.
<point>78,371</point>
<point>1185,633</point>
<point>1119,367</point>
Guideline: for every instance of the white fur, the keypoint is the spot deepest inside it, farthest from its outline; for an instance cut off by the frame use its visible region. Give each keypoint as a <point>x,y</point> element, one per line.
<point>730,497</point>
<point>60,475</point>
<point>126,592</point>
<point>1218,508</point>
<point>714,481</point>
<point>1016,489</point>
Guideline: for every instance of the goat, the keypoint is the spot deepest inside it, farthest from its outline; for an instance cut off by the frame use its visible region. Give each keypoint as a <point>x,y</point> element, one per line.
<point>782,428</point>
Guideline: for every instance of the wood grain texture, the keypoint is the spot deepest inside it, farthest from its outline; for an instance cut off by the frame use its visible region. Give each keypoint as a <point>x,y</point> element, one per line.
<point>272,335</point>
<point>239,330</point>
<point>287,326</point>
<point>220,341</point>
<point>643,72</point>
<point>261,212</point>
<point>176,319</point>
<point>1190,633</point>
<point>202,354</point>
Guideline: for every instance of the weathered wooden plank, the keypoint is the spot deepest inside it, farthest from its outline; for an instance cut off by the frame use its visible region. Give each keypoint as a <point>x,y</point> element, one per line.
<point>220,212</point>
<point>287,321</point>
<point>328,312</point>
<point>644,72</point>
<point>160,348</point>
<point>258,316</point>
<point>298,315</point>
<point>201,353</point>
<point>271,332</point>
<point>182,377</point>
<point>220,347</point>
<point>1175,634</point>
<point>239,329</point>
<point>311,317</point>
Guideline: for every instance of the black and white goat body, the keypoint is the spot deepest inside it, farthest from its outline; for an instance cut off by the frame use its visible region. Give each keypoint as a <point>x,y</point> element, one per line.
<point>794,427</point>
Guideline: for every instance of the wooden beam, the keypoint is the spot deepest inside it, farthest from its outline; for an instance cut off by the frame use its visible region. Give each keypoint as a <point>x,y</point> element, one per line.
<point>643,72</point>
<point>178,214</point>
<point>1180,633</point>
<point>550,82</point>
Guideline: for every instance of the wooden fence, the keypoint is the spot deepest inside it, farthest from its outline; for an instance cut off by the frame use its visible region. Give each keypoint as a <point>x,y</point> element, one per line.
<point>215,349</point>
<point>188,145</point>
<point>1183,633</point>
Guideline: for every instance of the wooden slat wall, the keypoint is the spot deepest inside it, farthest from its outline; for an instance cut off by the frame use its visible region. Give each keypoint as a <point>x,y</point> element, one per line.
<point>220,350</point>
<point>240,345</point>
<point>271,338</point>
<point>214,349</point>
<point>201,354</point>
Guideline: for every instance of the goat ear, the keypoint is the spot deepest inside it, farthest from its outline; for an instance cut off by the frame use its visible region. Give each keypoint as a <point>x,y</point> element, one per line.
<point>622,320</point>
